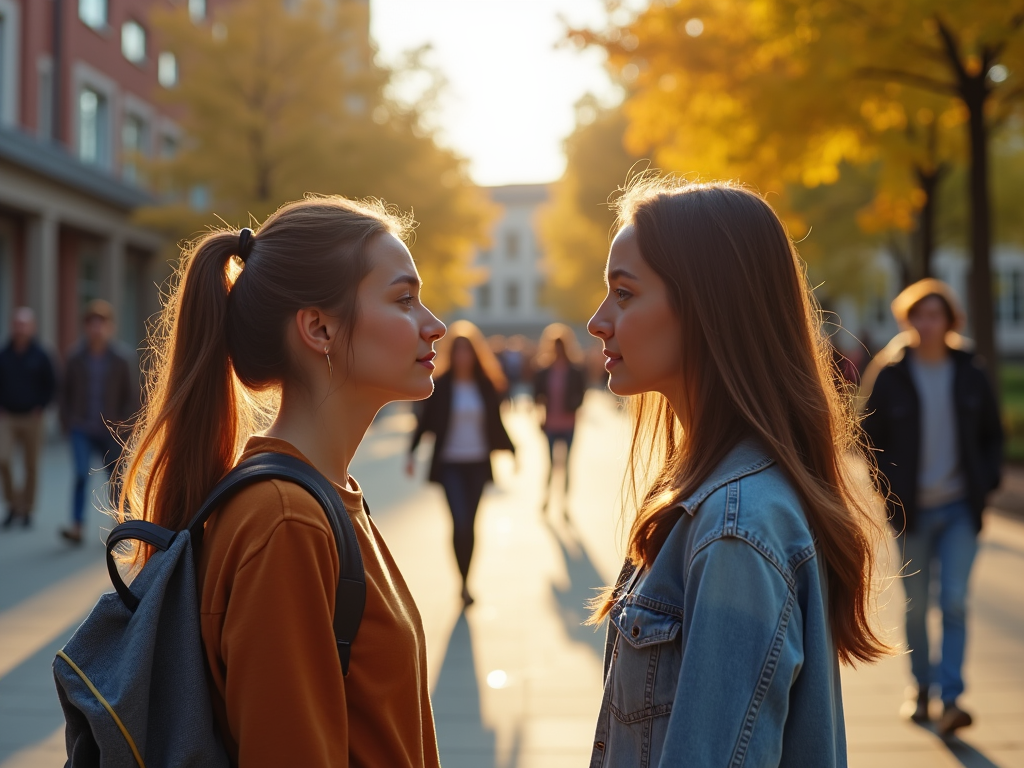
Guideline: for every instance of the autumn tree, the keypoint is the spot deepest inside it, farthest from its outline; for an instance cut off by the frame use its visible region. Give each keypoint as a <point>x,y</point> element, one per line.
<point>779,92</point>
<point>278,100</point>
<point>576,225</point>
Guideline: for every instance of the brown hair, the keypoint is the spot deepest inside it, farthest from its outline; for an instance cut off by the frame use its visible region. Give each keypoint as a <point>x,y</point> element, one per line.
<point>221,341</point>
<point>546,346</point>
<point>754,365</point>
<point>487,363</point>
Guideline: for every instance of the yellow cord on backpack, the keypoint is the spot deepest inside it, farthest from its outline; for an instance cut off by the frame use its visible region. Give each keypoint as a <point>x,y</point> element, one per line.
<point>106,706</point>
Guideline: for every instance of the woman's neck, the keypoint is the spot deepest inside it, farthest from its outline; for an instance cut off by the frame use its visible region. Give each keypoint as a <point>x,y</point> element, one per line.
<point>327,434</point>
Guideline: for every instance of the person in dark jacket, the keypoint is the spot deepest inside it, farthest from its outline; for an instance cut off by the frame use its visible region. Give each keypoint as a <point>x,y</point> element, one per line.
<point>27,384</point>
<point>933,419</point>
<point>559,386</point>
<point>98,396</point>
<point>464,416</point>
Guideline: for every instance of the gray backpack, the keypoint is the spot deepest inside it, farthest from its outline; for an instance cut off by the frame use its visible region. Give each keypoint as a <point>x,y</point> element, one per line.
<point>132,680</point>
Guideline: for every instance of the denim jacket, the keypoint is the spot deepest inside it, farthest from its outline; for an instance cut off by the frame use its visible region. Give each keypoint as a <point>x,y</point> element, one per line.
<point>721,655</point>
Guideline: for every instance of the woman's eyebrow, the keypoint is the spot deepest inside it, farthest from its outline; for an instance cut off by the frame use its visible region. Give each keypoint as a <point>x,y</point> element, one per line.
<point>412,280</point>
<point>617,274</point>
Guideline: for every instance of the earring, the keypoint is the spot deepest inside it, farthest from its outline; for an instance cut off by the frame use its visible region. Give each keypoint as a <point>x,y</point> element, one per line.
<point>330,367</point>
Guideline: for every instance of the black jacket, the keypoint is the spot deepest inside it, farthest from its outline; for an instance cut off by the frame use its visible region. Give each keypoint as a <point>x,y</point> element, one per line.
<point>27,380</point>
<point>893,426</point>
<point>575,388</point>
<point>435,417</point>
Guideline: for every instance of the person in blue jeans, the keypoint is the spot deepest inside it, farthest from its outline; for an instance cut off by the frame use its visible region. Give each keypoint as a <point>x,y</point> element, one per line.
<point>933,419</point>
<point>98,397</point>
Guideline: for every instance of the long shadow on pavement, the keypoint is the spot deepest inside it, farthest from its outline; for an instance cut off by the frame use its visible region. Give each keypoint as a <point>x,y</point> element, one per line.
<point>462,737</point>
<point>966,755</point>
<point>584,585</point>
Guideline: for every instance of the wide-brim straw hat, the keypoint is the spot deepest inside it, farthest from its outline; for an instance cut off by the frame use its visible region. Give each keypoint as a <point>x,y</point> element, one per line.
<point>913,294</point>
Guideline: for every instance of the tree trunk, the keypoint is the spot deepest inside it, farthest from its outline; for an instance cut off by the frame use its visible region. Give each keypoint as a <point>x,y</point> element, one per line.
<point>981,305</point>
<point>928,181</point>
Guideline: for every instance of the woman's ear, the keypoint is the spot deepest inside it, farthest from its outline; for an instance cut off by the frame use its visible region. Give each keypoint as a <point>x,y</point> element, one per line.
<point>317,330</point>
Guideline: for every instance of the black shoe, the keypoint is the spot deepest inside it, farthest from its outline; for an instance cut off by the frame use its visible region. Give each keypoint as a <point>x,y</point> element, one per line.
<point>9,520</point>
<point>70,534</point>
<point>921,711</point>
<point>26,521</point>
<point>952,718</point>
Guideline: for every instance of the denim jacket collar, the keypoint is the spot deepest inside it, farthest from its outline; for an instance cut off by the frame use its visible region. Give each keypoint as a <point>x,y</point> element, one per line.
<point>746,458</point>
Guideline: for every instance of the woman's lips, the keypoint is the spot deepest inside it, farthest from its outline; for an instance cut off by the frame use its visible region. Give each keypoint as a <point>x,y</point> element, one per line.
<point>427,361</point>
<point>612,360</point>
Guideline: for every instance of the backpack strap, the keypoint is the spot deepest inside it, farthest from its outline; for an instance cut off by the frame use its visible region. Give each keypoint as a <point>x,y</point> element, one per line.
<point>350,598</point>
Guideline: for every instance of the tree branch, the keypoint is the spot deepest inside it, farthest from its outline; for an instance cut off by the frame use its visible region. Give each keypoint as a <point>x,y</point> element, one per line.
<point>910,78</point>
<point>952,50</point>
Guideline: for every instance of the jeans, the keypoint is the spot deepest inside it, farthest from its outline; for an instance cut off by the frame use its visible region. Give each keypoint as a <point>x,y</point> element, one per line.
<point>945,536</point>
<point>83,446</point>
<point>463,484</point>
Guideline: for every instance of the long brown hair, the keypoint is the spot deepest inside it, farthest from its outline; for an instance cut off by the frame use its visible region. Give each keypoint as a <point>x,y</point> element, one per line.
<point>754,364</point>
<point>487,363</point>
<point>219,352</point>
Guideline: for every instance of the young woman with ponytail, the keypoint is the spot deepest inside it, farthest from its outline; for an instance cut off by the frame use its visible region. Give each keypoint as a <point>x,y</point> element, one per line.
<point>749,568</point>
<point>307,327</point>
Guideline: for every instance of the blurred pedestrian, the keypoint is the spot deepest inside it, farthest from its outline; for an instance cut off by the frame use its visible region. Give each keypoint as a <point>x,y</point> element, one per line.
<point>27,384</point>
<point>98,396</point>
<point>559,386</point>
<point>321,306</point>
<point>465,417</point>
<point>933,418</point>
<point>749,565</point>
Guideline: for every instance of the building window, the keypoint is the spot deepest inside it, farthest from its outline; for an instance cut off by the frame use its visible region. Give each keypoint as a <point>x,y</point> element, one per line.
<point>512,245</point>
<point>1015,297</point>
<point>512,296</point>
<point>133,146</point>
<point>167,69</point>
<point>197,10</point>
<point>93,120</point>
<point>93,13</point>
<point>133,42</point>
<point>483,296</point>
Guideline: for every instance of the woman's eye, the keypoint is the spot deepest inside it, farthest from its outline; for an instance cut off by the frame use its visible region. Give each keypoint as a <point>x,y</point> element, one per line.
<point>407,300</point>
<point>621,294</point>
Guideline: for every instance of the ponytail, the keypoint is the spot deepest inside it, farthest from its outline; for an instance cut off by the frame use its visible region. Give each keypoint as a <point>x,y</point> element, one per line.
<point>220,343</point>
<point>192,437</point>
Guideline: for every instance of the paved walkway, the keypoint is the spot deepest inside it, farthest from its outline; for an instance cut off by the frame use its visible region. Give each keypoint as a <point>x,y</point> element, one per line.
<point>516,679</point>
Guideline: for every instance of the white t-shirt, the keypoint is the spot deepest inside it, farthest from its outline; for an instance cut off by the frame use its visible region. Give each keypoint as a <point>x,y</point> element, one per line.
<point>467,430</point>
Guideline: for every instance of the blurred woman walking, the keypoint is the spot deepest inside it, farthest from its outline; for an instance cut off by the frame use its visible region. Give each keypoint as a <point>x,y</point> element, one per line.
<point>559,386</point>
<point>308,326</point>
<point>749,565</point>
<point>464,416</point>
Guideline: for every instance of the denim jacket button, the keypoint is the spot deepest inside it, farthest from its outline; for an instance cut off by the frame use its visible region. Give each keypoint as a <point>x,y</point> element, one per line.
<point>635,632</point>
<point>599,745</point>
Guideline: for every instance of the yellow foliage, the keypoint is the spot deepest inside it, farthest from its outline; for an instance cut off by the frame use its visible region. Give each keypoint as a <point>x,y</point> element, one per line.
<point>282,99</point>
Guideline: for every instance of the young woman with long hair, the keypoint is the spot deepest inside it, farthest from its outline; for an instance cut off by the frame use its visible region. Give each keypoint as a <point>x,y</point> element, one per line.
<point>310,325</point>
<point>749,566</point>
<point>465,417</point>
<point>559,386</point>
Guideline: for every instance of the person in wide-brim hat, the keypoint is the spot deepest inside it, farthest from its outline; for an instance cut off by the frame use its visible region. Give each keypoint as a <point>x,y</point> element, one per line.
<point>914,294</point>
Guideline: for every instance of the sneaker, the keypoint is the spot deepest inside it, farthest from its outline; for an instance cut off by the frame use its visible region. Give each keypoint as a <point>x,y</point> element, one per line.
<point>952,718</point>
<point>9,520</point>
<point>920,713</point>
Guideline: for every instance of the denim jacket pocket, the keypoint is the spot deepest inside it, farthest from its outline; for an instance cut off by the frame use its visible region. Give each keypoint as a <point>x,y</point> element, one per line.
<point>646,661</point>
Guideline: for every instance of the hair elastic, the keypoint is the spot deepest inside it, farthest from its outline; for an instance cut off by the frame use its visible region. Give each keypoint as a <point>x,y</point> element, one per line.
<point>246,240</point>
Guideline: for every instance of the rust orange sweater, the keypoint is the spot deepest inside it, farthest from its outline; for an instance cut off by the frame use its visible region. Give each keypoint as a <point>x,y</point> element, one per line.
<point>267,573</point>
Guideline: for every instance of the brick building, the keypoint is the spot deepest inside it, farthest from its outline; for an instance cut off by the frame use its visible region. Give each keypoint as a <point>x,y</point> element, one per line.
<point>78,104</point>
